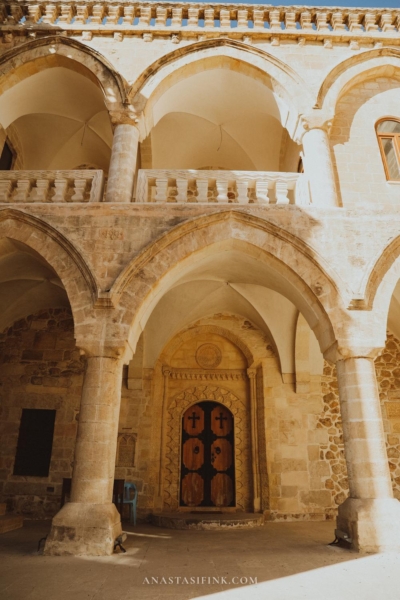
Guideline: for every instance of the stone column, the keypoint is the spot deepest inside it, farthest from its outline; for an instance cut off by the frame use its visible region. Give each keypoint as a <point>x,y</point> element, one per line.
<point>90,523</point>
<point>318,167</point>
<point>370,516</point>
<point>123,161</point>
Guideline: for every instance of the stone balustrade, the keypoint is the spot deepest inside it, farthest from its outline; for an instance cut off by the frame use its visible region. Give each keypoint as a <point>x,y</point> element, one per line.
<point>51,186</point>
<point>183,18</point>
<point>238,187</point>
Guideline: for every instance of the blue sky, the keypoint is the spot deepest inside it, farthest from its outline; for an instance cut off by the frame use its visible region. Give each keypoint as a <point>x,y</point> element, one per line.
<point>357,3</point>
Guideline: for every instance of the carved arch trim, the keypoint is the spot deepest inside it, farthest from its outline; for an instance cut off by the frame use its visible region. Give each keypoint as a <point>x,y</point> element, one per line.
<point>86,60</point>
<point>353,70</point>
<point>195,331</point>
<point>62,256</point>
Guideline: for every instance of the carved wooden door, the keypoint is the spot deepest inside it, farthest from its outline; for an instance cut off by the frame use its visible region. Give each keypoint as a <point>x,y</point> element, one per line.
<point>207,460</point>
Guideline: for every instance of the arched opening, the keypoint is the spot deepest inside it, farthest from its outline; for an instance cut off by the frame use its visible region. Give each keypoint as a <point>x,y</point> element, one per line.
<point>41,377</point>
<point>221,119</point>
<point>231,298</point>
<point>56,117</point>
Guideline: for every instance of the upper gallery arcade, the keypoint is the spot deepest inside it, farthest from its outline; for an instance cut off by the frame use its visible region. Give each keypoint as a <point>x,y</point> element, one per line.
<point>199,264</point>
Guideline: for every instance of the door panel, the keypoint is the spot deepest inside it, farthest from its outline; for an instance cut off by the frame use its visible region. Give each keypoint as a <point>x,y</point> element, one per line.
<point>207,460</point>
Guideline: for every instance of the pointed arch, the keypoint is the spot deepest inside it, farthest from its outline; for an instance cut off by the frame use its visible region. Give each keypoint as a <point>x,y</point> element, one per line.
<point>353,70</point>
<point>75,275</point>
<point>317,291</point>
<point>37,55</point>
<point>221,53</point>
<point>383,277</point>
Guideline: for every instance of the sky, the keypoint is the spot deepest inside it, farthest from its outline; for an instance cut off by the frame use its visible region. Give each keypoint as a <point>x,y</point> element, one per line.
<point>353,3</point>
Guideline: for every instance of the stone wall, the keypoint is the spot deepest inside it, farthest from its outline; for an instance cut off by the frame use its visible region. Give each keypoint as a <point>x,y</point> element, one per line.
<point>333,450</point>
<point>388,376</point>
<point>359,168</point>
<point>40,367</point>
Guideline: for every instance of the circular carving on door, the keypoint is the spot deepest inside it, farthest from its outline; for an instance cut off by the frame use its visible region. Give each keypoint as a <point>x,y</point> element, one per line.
<point>208,356</point>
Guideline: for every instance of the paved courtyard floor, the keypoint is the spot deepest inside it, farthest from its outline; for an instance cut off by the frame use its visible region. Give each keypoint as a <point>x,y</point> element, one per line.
<point>289,561</point>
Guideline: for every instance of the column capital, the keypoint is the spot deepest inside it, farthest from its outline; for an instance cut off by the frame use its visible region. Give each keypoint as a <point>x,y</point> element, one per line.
<point>124,116</point>
<point>345,350</point>
<point>312,120</point>
<point>92,348</point>
<point>252,372</point>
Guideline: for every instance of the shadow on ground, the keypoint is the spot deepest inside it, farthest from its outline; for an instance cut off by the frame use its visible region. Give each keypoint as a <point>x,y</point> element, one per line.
<point>288,561</point>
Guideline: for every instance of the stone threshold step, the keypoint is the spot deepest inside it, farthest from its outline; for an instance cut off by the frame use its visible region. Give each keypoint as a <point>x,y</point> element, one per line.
<point>207,520</point>
<point>10,522</point>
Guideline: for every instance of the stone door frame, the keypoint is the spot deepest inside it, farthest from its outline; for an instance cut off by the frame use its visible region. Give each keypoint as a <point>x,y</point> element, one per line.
<point>176,407</point>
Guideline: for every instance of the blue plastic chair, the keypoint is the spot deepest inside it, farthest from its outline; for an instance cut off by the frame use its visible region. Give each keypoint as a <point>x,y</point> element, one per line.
<point>132,501</point>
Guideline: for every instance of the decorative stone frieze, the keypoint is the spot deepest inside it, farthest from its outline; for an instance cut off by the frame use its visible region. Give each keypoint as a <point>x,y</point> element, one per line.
<point>263,21</point>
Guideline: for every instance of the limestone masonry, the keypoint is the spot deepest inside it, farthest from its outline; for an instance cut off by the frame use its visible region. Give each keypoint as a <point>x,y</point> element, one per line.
<point>200,265</point>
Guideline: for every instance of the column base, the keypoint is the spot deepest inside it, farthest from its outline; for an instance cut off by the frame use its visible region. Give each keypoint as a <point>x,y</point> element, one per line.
<point>372,524</point>
<point>88,529</point>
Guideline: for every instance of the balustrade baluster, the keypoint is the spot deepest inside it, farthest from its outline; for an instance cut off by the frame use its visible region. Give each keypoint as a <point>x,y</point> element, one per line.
<point>222,190</point>
<point>262,192</point>
<point>177,17</point>
<point>114,14</point>
<point>386,22</point>
<point>337,21</point>
<point>79,190</point>
<point>243,18</point>
<point>225,18</point>
<point>281,192</point>
<point>22,190</point>
<point>182,187</point>
<point>161,190</point>
<point>202,190</point>
<point>66,13</point>
<point>290,21</point>
<point>161,16</point>
<point>258,18</point>
<point>5,189</point>
<point>82,14</point>
<point>242,188</point>
<point>60,190</point>
<point>40,191</point>
<point>354,22</point>
<point>209,17</point>
<point>305,21</point>
<point>322,22</point>
<point>129,15</point>
<point>51,14</point>
<point>145,16</point>
<point>370,22</point>
<point>34,13</point>
<point>97,14</point>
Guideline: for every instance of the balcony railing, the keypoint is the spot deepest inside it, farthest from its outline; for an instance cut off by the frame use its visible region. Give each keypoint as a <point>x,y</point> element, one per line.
<point>238,187</point>
<point>51,186</point>
<point>179,18</point>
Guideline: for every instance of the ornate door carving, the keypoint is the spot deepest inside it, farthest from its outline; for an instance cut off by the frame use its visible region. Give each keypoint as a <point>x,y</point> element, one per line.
<point>207,460</point>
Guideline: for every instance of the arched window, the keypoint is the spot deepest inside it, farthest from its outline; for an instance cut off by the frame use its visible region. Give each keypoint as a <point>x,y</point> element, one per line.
<point>388,132</point>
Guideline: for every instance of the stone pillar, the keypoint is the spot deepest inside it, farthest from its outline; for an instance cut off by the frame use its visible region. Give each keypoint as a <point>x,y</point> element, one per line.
<point>123,161</point>
<point>370,516</point>
<point>90,523</point>
<point>318,167</point>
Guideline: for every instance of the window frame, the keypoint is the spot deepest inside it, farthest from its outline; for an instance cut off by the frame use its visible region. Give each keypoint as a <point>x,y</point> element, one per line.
<point>396,145</point>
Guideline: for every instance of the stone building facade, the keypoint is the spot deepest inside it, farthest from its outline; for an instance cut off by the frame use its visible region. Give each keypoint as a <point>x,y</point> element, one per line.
<point>200,264</point>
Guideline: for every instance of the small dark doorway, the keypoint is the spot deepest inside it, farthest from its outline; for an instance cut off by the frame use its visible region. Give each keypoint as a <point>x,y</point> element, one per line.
<point>207,460</point>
